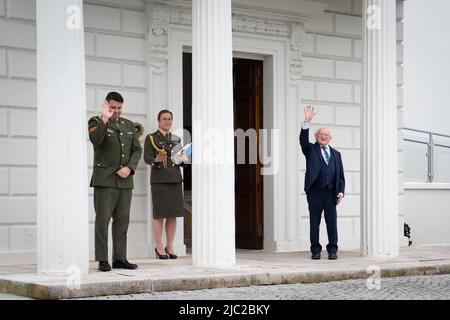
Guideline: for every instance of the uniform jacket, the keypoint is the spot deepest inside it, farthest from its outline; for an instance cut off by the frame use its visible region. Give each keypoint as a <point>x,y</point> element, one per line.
<point>116,145</point>
<point>159,174</point>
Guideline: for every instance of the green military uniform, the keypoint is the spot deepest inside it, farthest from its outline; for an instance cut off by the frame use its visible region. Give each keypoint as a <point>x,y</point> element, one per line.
<point>165,179</point>
<point>116,145</point>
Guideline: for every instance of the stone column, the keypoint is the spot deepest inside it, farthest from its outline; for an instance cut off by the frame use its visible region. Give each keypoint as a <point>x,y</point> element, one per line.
<point>213,224</point>
<point>379,150</point>
<point>62,194</point>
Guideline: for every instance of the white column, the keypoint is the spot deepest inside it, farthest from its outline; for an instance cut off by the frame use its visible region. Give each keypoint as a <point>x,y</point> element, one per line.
<point>62,200</point>
<point>213,225</point>
<point>379,154</point>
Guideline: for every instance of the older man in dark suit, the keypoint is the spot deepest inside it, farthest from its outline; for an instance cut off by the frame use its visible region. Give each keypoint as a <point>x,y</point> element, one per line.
<point>324,185</point>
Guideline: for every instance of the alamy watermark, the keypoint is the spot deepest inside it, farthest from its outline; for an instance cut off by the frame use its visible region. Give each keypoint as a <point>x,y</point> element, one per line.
<point>73,281</point>
<point>374,281</point>
<point>217,146</point>
<point>74,18</point>
<point>373,17</point>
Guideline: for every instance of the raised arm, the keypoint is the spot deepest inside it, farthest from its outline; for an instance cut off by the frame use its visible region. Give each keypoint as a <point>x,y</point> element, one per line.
<point>304,133</point>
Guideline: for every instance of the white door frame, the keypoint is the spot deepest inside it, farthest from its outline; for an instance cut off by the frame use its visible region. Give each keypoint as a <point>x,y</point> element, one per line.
<point>281,190</point>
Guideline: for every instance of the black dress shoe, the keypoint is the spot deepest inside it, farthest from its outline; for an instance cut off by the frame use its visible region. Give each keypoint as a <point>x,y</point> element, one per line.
<point>123,264</point>
<point>104,266</point>
<point>332,256</point>
<point>315,256</point>
<point>171,255</point>
<point>161,256</point>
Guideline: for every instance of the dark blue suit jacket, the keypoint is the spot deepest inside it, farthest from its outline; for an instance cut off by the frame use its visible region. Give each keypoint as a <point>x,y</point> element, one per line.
<point>314,158</point>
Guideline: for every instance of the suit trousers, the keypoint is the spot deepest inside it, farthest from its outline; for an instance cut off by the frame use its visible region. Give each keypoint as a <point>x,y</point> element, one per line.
<point>111,203</point>
<point>322,201</point>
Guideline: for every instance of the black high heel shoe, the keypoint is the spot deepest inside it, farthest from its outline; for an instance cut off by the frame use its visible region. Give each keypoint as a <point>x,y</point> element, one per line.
<point>171,255</point>
<point>161,256</point>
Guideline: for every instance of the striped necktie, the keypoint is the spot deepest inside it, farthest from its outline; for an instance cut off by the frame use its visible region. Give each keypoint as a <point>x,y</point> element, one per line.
<point>327,155</point>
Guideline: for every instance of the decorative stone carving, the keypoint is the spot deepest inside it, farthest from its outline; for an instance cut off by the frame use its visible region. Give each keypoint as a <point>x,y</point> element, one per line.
<point>240,22</point>
<point>157,34</point>
<point>294,31</point>
<point>256,25</point>
<point>296,37</point>
<point>180,16</point>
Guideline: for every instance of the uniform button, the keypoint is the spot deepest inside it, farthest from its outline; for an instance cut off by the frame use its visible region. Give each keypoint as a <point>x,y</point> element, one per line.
<point>121,133</point>
<point>153,164</point>
<point>123,155</point>
<point>173,165</point>
<point>122,144</point>
<point>121,166</point>
<point>98,164</point>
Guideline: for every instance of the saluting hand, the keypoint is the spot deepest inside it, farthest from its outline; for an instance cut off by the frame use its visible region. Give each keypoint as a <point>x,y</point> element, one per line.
<point>309,113</point>
<point>106,112</point>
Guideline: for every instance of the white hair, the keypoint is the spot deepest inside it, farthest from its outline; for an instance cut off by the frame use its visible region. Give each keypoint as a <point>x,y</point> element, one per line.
<point>329,130</point>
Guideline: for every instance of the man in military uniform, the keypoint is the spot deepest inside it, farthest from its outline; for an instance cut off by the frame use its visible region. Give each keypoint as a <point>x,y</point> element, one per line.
<point>117,151</point>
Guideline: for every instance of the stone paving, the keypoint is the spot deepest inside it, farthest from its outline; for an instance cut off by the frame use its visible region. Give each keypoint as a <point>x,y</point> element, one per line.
<point>253,268</point>
<point>435,287</point>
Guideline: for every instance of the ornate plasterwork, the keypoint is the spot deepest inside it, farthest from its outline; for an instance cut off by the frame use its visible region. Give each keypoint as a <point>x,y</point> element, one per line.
<point>157,34</point>
<point>297,35</point>
<point>241,22</point>
<point>161,15</point>
<point>180,16</point>
<point>256,25</point>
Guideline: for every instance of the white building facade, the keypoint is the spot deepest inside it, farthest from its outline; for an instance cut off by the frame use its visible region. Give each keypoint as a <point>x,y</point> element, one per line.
<point>322,53</point>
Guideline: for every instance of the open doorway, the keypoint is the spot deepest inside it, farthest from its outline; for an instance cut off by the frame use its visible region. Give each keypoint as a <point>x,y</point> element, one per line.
<point>248,114</point>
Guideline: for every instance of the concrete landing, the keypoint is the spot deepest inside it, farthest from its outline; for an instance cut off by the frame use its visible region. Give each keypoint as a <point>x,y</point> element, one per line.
<point>252,268</point>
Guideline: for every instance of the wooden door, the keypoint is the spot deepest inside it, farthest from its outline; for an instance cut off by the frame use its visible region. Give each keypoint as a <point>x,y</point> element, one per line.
<point>247,83</point>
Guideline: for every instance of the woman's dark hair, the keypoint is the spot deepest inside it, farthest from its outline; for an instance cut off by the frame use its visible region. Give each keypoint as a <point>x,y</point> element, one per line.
<point>114,96</point>
<point>164,111</point>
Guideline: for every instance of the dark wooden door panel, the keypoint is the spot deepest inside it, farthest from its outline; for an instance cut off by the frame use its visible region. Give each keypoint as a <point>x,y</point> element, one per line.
<point>247,78</point>
<point>247,92</point>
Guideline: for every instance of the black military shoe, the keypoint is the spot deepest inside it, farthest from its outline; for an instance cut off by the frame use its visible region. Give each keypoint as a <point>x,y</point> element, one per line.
<point>332,256</point>
<point>315,256</point>
<point>104,266</point>
<point>123,264</point>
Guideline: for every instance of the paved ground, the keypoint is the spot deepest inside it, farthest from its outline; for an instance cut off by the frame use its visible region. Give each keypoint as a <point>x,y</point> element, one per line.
<point>253,268</point>
<point>400,288</point>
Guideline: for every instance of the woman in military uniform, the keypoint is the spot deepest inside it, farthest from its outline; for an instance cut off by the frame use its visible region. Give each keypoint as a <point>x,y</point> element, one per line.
<point>166,183</point>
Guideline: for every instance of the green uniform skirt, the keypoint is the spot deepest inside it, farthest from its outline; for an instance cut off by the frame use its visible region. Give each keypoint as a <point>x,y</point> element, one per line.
<point>167,200</point>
